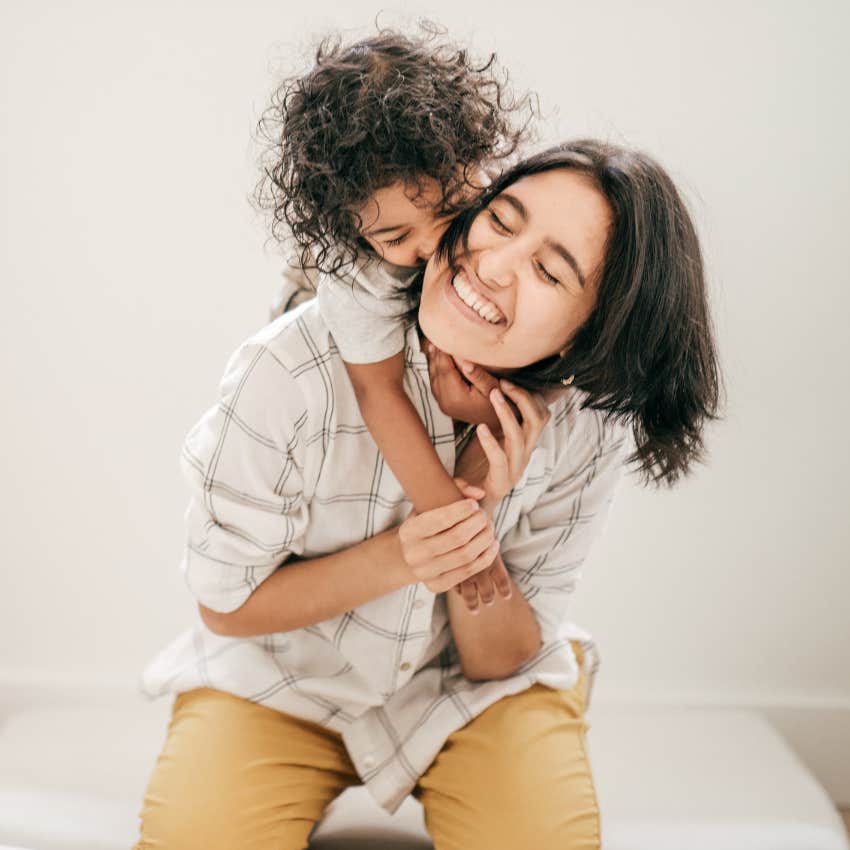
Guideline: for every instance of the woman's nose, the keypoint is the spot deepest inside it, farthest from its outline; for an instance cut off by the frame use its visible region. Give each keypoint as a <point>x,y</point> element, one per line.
<point>497,267</point>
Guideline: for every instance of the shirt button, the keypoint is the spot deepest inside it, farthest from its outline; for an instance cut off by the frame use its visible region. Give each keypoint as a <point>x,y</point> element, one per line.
<point>368,762</point>
<point>419,603</point>
<point>406,665</point>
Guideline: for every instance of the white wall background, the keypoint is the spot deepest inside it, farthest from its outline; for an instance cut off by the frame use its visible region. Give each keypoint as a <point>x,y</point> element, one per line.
<point>132,265</point>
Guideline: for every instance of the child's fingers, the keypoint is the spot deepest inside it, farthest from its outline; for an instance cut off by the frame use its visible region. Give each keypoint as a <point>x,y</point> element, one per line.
<point>454,390</point>
<point>469,591</point>
<point>486,590</point>
<point>499,574</point>
<point>480,378</point>
<point>442,363</point>
<point>485,585</point>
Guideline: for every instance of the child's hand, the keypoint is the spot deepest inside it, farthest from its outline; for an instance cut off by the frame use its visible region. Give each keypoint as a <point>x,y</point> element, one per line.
<point>483,585</point>
<point>464,397</point>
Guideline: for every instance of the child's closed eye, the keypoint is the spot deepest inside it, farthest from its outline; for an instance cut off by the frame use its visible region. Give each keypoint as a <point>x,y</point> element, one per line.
<point>398,240</point>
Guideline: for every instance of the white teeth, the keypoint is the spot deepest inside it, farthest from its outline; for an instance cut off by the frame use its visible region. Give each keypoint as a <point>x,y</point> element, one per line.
<point>471,298</point>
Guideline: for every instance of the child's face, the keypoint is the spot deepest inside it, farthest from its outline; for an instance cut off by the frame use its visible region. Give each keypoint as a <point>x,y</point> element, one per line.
<point>400,223</point>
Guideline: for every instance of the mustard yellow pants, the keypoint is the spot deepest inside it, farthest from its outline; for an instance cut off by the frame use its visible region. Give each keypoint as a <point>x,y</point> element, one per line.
<point>235,775</point>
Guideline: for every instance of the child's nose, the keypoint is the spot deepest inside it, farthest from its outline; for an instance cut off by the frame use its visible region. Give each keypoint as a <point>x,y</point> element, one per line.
<point>428,244</point>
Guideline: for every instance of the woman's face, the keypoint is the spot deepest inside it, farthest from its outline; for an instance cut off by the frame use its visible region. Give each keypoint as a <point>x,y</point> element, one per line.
<point>530,278</point>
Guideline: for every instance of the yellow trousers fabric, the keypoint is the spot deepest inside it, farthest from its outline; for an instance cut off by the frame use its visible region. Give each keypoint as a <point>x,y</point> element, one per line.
<point>236,775</point>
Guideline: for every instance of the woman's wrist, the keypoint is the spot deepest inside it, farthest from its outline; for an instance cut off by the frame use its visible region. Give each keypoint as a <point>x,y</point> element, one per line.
<point>390,556</point>
<point>488,504</point>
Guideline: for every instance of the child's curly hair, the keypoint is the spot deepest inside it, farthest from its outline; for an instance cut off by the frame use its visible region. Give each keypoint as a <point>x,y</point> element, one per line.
<point>389,108</point>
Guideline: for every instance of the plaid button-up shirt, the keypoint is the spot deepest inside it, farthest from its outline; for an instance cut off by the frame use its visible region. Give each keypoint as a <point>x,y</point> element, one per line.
<point>284,465</point>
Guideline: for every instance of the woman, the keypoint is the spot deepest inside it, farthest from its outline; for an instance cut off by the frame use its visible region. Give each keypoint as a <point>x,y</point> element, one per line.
<point>357,666</point>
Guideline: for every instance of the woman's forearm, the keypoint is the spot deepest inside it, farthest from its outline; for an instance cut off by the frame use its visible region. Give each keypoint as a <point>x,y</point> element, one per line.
<point>495,642</point>
<point>301,593</point>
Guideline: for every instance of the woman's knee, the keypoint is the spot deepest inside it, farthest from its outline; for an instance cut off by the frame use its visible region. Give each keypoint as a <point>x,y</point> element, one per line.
<point>516,776</point>
<point>176,826</point>
<point>235,774</point>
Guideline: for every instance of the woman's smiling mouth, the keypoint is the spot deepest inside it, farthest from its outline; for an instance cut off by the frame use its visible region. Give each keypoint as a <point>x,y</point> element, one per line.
<point>469,301</point>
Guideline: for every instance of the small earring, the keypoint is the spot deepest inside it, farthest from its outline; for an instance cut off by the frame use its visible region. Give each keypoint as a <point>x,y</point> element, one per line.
<point>567,381</point>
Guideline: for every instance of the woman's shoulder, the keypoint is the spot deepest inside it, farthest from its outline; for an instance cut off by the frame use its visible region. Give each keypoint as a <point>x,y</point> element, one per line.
<point>577,428</point>
<point>298,337</point>
<point>279,373</point>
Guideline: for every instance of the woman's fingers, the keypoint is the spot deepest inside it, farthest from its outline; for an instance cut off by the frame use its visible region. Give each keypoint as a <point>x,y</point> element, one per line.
<point>499,471</point>
<point>470,491</point>
<point>514,437</point>
<point>444,580</point>
<point>535,413</point>
<point>434,522</point>
<point>453,547</point>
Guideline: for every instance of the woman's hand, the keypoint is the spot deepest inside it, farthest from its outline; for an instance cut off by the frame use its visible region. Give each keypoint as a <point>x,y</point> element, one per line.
<point>507,457</point>
<point>478,398</point>
<point>444,546</point>
<point>498,466</point>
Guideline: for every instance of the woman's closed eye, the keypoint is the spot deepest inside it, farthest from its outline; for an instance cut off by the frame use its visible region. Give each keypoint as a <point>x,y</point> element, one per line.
<point>500,227</point>
<point>498,224</point>
<point>542,269</point>
<point>398,240</point>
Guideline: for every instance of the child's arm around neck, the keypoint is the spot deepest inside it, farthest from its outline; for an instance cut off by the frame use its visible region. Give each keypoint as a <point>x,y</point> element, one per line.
<point>400,434</point>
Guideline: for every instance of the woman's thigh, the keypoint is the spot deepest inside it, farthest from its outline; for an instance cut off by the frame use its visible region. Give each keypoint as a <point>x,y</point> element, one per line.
<point>516,776</point>
<point>235,774</point>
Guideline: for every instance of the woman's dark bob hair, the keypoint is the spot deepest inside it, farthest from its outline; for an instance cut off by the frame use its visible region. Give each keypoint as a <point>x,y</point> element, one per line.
<point>646,354</point>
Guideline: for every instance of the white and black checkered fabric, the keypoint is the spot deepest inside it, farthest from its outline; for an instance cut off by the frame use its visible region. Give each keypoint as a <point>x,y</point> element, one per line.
<point>284,465</point>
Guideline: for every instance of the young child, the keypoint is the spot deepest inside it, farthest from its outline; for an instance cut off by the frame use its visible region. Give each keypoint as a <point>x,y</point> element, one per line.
<point>372,152</point>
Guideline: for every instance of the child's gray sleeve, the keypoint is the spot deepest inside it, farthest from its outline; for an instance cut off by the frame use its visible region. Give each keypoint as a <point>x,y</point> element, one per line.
<point>364,313</point>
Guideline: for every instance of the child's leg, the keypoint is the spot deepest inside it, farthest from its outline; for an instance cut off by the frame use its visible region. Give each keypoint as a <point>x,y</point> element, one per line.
<point>400,433</point>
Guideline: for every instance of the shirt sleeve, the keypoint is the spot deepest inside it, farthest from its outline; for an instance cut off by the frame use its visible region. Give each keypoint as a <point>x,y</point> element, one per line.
<point>244,464</point>
<point>297,286</point>
<point>545,551</point>
<point>364,311</point>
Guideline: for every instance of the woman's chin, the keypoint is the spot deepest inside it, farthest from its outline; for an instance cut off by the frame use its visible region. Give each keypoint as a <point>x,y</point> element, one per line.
<point>434,330</point>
